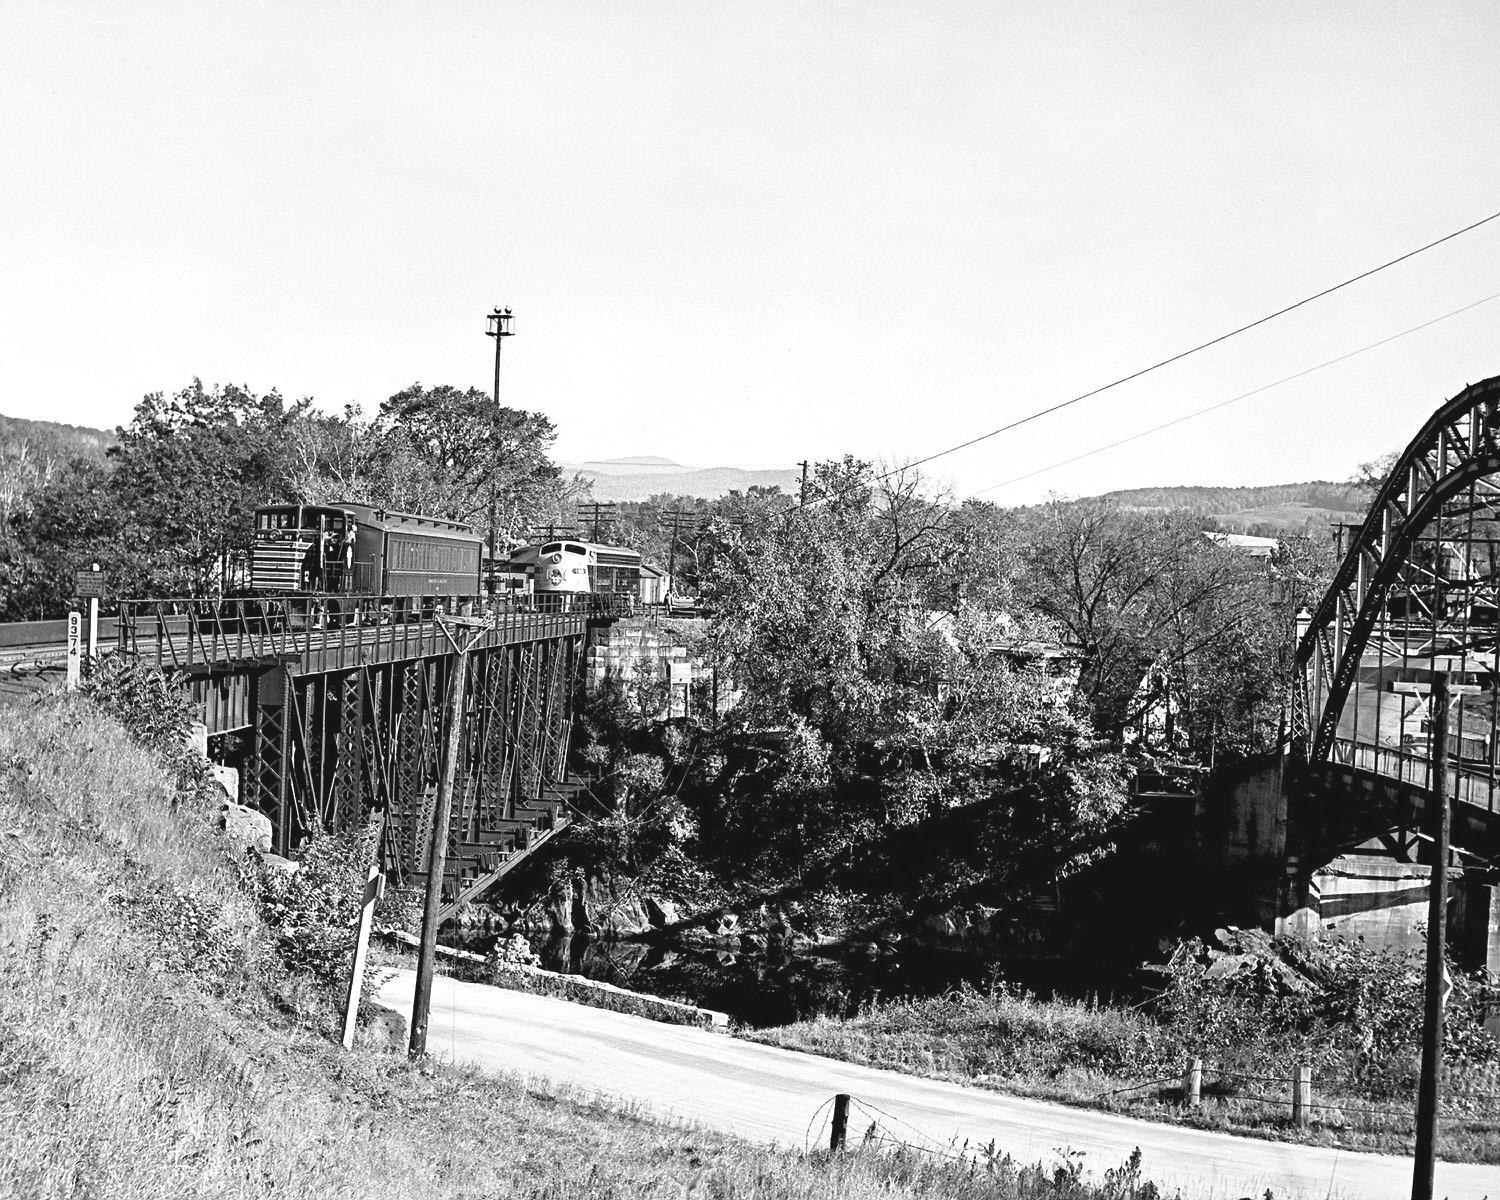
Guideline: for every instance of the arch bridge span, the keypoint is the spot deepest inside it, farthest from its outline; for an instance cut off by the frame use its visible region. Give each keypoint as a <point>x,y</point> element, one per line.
<point>1416,591</point>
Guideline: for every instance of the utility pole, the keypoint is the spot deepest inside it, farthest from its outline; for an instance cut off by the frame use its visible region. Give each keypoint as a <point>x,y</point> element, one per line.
<point>676,520</point>
<point>1425,1159</point>
<point>499,330</point>
<point>597,514</point>
<point>437,858</point>
<point>802,490</point>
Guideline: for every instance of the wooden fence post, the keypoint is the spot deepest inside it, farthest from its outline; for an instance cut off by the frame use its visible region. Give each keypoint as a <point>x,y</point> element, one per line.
<point>840,1122</point>
<point>1302,1095</point>
<point>1192,1083</point>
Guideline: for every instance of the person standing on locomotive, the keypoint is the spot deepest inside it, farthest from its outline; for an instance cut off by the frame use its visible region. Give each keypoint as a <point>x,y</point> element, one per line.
<point>312,567</point>
<point>346,556</point>
<point>328,572</point>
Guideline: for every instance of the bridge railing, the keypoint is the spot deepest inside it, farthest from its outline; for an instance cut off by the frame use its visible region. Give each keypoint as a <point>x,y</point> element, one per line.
<point>1464,782</point>
<point>187,632</point>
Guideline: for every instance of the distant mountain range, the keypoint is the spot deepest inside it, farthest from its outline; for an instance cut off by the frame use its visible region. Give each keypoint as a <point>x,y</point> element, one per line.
<point>640,477</point>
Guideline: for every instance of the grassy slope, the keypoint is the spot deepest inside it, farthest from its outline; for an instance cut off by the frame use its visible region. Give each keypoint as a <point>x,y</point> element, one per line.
<point>150,1046</point>
<point>1073,1053</point>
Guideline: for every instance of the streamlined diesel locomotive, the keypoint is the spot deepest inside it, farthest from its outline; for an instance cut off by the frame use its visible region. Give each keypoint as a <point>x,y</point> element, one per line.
<point>565,569</point>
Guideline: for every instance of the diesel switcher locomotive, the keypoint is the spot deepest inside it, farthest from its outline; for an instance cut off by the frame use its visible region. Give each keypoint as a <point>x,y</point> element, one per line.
<point>354,549</point>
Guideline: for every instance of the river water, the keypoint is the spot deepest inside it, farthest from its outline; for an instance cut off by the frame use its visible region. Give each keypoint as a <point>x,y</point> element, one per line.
<point>776,986</point>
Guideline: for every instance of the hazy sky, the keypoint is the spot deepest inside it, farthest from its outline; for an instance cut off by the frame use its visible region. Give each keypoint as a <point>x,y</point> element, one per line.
<point>756,232</point>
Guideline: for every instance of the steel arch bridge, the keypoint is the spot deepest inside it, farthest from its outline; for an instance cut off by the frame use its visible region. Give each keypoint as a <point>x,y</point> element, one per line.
<point>1417,590</point>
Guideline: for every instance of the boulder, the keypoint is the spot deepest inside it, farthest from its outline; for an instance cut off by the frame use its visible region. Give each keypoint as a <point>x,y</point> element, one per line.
<point>603,908</point>
<point>942,925</point>
<point>275,862</point>
<point>385,1030</point>
<point>228,779</point>
<point>196,739</point>
<point>245,825</point>
<point>661,912</point>
<point>559,908</point>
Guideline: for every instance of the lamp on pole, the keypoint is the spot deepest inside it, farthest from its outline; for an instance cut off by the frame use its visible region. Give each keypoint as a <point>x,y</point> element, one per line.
<point>499,322</point>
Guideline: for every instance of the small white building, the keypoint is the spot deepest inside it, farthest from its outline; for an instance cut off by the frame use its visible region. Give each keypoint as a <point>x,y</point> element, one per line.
<point>1255,547</point>
<point>655,584</point>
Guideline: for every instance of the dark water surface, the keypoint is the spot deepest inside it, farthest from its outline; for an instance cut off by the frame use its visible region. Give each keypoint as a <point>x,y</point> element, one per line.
<point>776,986</point>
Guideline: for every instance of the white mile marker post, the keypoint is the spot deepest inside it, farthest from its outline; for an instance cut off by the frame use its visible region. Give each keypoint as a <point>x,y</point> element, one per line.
<point>75,650</point>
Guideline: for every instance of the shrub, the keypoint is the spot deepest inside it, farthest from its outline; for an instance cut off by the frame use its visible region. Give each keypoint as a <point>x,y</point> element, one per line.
<point>1353,1012</point>
<point>312,911</point>
<point>155,709</point>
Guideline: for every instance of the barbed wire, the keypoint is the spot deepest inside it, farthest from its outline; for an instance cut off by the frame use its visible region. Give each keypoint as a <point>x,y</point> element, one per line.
<point>880,1112</point>
<point>1139,1087</point>
<point>807,1137</point>
<point>1222,1074</point>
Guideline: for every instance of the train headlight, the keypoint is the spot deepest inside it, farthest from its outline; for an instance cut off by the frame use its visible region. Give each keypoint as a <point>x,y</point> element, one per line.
<point>555,558</point>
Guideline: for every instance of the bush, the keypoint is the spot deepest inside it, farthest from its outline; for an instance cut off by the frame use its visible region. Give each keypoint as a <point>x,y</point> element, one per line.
<point>155,709</point>
<point>1353,1012</point>
<point>313,911</point>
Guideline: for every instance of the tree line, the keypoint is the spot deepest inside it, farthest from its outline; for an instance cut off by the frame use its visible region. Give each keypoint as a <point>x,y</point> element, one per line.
<point>165,505</point>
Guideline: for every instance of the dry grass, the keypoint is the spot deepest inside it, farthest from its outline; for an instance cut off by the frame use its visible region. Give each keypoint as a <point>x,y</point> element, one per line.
<point>151,1047</point>
<point>1084,1054</point>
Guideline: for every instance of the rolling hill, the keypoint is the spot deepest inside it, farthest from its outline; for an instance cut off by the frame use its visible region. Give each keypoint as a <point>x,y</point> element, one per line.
<point>643,476</point>
<point>1269,510</point>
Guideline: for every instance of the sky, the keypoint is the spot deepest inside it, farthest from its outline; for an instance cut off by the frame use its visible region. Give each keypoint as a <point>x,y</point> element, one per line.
<point>749,234</point>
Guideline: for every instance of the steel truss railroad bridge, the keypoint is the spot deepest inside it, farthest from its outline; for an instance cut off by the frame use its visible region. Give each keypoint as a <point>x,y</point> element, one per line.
<point>335,712</point>
<point>1417,591</point>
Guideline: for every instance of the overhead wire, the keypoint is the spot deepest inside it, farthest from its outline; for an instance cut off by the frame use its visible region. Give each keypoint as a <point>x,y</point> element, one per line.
<point>1236,399</point>
<point>1214,341</point>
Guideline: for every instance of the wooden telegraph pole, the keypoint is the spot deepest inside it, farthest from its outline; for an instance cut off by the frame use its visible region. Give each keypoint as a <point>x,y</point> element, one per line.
<point>499,330</point>
<point>437,859</point>
<point>676,520</point>
<point>1425,1159</point>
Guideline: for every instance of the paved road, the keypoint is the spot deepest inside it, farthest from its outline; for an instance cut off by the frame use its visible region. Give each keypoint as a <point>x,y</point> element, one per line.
<point>770,1095</point>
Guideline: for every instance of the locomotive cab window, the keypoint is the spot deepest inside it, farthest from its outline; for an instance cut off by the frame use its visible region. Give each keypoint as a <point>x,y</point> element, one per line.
<point>572,549</point>
<point>276,518</point>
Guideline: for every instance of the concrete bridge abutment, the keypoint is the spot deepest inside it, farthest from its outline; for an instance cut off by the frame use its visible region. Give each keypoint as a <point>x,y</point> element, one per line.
<point>1328,856</point>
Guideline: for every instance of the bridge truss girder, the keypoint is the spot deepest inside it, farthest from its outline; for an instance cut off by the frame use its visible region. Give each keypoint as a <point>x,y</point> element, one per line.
<point>330,748</point>
<point>1443,476</point>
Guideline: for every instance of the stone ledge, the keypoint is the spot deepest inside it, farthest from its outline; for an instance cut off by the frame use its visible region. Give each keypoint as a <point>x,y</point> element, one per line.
<point>709,1018</point>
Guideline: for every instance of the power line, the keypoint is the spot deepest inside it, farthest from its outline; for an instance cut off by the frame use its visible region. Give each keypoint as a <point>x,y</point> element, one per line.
<point>1156,366</point>
<point>1236,399</point>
